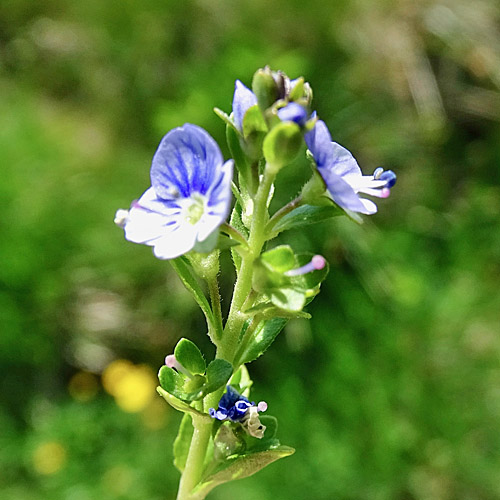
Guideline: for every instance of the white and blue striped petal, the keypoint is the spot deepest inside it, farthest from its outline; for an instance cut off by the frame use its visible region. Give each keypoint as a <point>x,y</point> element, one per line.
<point>342,175</point>
<point>190,195</point>
<point>243,100</point>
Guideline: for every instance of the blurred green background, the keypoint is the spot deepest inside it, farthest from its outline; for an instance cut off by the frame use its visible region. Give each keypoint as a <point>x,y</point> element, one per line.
<point>392,390</point>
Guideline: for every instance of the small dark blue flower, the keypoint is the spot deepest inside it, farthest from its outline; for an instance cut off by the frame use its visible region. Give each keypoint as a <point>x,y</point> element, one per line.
<point>237,408</point>
<point>342,175</point>
<point>189,198</point>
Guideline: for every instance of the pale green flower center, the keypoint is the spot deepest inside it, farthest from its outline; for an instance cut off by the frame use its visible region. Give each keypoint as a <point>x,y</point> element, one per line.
<point>196,209</point>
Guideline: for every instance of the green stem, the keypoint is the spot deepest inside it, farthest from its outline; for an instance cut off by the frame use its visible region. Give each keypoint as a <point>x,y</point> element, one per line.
<point>243,285</point>
<point>213,289</point>
<point>234,233</point>
<point>196,458</point>
<point>282,212</point>
<point>193,470</point>
<point>202,429</point>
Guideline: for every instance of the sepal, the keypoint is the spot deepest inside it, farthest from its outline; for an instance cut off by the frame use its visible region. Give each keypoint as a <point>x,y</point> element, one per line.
<point>180,405</point>
<point>186,376</point>
<point>288,280</point>
<point>190,357</point>
<point>254,131</point>
<point>282,144</point>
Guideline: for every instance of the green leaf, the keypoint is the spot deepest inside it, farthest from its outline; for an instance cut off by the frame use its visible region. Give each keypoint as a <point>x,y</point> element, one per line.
<point>288,299</point>
<point>239,467</point>
<point>190,357</point>
<point>280,259</point>
<point>306,215</point>
<point>240,159</point>
<point>183,442</point>
<point>282,144</point>
<point>227,442</point>
<point>254,123</point>
<point>269,269</point>
<point>237,223</point>
<point>208,244</point>
<point>241,381</point>
<point>218,373</point>
<point>271,424</point>
<point>263,337</point>
<point>189,281</point>
<point>181,387</point>
<point>224,242</point>
<point>225,117</point>
<point>180,405</point>
<point>171,381</point>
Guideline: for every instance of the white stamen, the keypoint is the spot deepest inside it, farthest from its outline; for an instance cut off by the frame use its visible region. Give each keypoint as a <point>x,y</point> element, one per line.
<point>121,217</point>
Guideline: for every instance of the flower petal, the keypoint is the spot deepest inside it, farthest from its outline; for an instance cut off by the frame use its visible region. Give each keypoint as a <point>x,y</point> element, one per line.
<point>319,142</point>
<point>149,219</point>
<point>186,161</point>
<point>243,99</point>
<point>293,112</point>
<point>176,243</point>
<point>344,195</point>
<point>343,161</point>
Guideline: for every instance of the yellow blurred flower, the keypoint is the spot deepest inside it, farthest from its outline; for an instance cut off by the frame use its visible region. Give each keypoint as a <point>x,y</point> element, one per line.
<point>132,386</point>
<point>49,458</point>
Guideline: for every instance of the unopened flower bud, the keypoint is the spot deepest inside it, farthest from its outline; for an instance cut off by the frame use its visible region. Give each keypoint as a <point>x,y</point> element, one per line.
<point>265,88</point>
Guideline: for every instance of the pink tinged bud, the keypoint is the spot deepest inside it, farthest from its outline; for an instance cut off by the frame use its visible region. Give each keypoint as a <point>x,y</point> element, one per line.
<point>385,192</point>
<point>171,362</point>
<point>262,406</point>
<point>317,262</point>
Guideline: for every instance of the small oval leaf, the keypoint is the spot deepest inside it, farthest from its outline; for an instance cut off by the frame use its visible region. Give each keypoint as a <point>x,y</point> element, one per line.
<point>190,357</point>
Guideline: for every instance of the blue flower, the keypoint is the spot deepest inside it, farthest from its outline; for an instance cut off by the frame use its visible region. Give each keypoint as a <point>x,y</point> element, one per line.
<point>342,175</point>
<point>237,408</point>
<point>189,198</point>
<point>243,100</point>
<point>293,112</point>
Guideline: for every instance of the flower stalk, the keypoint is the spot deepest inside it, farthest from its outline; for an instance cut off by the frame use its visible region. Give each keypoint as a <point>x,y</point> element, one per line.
<point>181,217</point>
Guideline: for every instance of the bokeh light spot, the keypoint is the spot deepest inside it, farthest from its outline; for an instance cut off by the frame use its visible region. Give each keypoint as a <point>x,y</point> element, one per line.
<point>49,457</point>
<point>83,386</point>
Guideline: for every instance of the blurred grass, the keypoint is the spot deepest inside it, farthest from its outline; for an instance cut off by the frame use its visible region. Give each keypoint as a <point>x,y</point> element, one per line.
<point>391,391</point>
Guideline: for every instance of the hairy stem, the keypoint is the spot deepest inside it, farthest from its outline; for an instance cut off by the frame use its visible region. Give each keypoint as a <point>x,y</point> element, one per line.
<point>282,212</point>
<point>228,344</point>
<point>243,284</point>
<point>196,458</point>
<point>215,299</point>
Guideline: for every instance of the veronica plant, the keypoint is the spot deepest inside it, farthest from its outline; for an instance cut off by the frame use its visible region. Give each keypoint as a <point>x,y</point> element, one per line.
<point>183,215</point>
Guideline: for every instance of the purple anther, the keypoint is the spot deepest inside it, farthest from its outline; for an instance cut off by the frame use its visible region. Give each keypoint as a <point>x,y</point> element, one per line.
<point>317,262</point>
